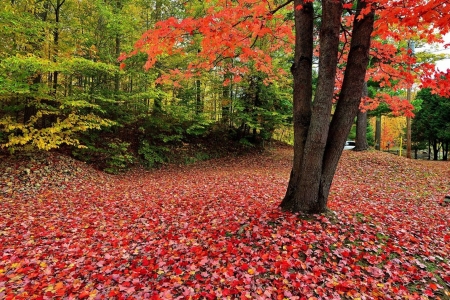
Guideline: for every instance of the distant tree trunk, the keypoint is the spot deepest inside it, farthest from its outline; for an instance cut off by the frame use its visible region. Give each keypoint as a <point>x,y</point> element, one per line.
<point>57,8</point>
<point>429,149</point>
<point>116,76</point>
<point>378,132</point>
<point>30,107</point>
<point>227,95</point>
<point>318,144</point>
<point>157,105</point>
<point>445,148</point>
<point>435,150</point>
<point>361,126</point>
<point>198,97</point>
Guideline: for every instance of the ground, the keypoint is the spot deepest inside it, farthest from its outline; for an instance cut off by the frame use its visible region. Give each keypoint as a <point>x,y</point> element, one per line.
<point>213,230</point>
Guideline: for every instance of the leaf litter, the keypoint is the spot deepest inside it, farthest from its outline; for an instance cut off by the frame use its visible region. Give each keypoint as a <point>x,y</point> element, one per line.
<point>213,230</point>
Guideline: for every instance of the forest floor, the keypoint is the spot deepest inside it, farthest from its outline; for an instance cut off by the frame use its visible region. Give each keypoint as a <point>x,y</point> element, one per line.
<point>213,230</point>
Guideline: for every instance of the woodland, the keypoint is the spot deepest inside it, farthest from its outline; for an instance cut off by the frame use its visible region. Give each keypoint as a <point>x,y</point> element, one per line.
<point>194,150</point>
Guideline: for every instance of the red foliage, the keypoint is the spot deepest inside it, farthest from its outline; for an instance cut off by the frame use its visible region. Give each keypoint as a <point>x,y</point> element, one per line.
<point>214,230</point>
<point>252,30</point>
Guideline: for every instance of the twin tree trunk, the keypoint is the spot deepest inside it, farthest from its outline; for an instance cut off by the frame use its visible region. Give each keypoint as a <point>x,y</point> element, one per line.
<point>318,143</point>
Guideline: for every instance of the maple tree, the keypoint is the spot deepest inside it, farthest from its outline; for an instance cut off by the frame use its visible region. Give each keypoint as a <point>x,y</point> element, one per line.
<point>231,29</point>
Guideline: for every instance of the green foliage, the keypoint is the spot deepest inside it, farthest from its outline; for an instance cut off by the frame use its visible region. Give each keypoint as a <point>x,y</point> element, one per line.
<point>245,142</point>
<point>370,135</point>
<point>432,121</point>
<point>92,102</point>
<point>200,126</point>
<point>352,134</point>
<point>262,108</point>
<point>152,156</point>
<point>118,157</point>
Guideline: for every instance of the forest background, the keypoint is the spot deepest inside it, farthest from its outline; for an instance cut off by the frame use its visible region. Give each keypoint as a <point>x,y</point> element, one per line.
<point>62,86</point>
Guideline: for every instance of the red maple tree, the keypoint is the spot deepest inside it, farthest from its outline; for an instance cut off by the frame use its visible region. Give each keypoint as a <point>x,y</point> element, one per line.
<point>348,35</point>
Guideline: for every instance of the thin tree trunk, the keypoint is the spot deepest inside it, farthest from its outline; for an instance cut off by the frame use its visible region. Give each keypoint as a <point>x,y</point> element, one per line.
<point>227,99</point>
<point>30,103</point>
<point>198,97</point>
<point>445,147</point>
<point>429,149</point>
<point>57,8</point>
<point>157,105</point>
<point>378,132</point>
<point>361,126</point>
<point>117,76</point>
<point>435,150</point>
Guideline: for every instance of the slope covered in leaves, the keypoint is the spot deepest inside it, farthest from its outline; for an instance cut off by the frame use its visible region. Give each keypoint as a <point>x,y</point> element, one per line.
<point>213,231</point>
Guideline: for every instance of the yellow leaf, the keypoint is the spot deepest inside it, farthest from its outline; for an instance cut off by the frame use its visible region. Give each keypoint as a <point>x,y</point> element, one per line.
<point>15,265</point>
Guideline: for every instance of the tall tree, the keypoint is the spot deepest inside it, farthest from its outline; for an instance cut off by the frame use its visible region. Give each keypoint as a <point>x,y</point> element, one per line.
<point>432,122</point>
<point>230,29</point>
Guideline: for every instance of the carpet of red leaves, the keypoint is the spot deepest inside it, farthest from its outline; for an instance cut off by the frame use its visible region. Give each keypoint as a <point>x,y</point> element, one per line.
<point>213,230</point>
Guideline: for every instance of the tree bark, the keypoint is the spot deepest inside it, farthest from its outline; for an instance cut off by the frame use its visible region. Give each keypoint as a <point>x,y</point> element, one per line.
<point>227,97</point>
<point>378,132</point>
<point>361,126</point>
<point>302,73</point>
<point>445,148</point>
<point>349,97</point>
<point>318,144</point>
<point>57,8</point>
<point>198,97</point>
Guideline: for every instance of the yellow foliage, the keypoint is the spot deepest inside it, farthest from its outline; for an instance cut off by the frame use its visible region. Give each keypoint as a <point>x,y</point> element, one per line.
<point>63,131</point>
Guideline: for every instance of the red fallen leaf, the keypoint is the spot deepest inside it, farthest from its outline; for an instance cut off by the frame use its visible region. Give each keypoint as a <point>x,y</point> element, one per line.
<point>345,253</point>
<point>376,272</point>
<point>178,271</point>
<point>155,297</point>
<point>84,294</point>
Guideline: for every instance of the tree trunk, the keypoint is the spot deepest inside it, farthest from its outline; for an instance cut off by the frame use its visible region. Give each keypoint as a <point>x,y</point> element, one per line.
<point>117,76</point>
<point>157,104</point>
<point>349,97</point>
<point>302,73</point>
<point>429,149</point>
<point>361,126</point>
<point>227,97</point>
<point>378,132</point>
<point>319,155</point>
<point>198,97</point>
<point>57,8</point>
<point>435,150</point>
<point>445,148</point>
